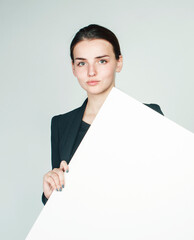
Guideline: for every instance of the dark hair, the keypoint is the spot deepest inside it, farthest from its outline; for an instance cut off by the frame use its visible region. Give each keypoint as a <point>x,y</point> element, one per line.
<point>94,31</point>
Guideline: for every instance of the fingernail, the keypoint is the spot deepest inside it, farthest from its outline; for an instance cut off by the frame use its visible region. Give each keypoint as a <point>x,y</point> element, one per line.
<point>60,189</point>
<point>56,189</point>
<point>63,186</point>
<point>67,171</point>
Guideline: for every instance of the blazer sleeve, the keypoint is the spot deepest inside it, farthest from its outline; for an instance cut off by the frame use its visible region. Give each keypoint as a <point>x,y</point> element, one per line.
<point>55,157</point>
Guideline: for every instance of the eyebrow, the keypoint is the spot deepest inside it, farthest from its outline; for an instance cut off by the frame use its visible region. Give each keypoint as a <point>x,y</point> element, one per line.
<point>103,56</point>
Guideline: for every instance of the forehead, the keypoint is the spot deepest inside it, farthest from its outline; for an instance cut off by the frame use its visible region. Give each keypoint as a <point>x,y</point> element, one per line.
<point>93,48</point>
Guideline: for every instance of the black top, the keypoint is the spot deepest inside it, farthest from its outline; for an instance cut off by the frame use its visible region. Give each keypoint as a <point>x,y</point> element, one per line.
<point>80,135</point>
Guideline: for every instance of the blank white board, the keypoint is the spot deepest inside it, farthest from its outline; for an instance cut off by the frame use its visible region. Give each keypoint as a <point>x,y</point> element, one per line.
<point>132,177</point>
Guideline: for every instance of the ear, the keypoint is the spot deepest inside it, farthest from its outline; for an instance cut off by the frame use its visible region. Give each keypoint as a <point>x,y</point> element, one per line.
<point>119,64</point>
<point>73,69</point>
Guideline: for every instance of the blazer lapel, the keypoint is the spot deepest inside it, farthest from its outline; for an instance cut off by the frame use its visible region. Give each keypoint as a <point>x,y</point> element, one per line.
<point>66,148</point>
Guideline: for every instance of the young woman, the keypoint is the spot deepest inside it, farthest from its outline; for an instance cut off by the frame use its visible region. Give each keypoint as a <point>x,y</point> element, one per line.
<point>96,58</point>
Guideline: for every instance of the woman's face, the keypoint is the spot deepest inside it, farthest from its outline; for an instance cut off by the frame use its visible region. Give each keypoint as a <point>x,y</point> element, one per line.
<point>95,65</point>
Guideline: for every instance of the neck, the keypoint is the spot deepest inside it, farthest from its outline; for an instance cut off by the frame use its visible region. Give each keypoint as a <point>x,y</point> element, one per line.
<point>95,102</point>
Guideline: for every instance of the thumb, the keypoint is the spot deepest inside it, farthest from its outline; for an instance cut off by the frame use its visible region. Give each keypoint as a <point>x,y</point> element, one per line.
<point>64,166</point>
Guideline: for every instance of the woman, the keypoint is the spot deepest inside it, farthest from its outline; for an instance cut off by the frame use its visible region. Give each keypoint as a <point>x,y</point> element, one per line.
<point>96,58</point>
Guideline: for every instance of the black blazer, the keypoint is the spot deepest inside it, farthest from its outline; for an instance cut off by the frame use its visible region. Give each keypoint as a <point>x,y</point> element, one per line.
<point>64,129</point>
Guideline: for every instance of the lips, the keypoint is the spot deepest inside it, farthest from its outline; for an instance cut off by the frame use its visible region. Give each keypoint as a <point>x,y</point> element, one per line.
<point>92,82</point>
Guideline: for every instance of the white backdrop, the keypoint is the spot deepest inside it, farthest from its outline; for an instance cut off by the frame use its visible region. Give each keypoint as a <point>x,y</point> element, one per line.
<point>36,81</point>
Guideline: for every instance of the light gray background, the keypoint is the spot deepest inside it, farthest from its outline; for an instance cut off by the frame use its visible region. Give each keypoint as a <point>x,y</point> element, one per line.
<point>36,81</point>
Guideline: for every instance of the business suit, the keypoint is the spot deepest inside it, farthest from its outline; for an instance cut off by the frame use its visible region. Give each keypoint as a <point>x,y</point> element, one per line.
<point>64,129</point>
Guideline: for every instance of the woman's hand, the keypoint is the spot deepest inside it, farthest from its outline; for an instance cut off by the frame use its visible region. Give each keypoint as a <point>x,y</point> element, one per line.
<point>55,179</point>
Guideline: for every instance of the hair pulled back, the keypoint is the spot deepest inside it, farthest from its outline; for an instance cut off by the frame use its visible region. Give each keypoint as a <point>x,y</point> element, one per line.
<point>94,31</point>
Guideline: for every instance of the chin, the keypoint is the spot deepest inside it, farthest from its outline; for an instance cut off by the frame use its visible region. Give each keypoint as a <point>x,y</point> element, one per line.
<point>97,91</point>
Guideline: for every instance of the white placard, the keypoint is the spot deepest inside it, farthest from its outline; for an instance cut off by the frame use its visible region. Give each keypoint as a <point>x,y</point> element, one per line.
<point>132,177</point>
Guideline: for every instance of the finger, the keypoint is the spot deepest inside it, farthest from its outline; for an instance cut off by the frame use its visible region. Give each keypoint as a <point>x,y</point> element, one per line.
<point>48,187</point>
<point>60,174</point>
<point>51,182</point>
<point>64,166</point>
<point>56,180</point>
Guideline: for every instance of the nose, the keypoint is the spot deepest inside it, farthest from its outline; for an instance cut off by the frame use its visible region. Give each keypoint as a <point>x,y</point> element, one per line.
<point>91,70</point>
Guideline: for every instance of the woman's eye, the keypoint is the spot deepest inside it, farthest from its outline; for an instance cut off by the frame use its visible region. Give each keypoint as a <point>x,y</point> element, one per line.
<point>80,64</point>
<point>102,61</point>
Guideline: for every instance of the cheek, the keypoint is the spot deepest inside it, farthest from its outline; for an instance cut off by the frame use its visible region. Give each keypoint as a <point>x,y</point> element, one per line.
<point>109,71</point>
<point>80,73</point>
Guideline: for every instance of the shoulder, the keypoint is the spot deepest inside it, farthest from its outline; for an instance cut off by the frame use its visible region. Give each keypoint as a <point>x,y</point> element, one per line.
<point>155,107</point>
<point>62,122</point>
<point>64,118</point>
